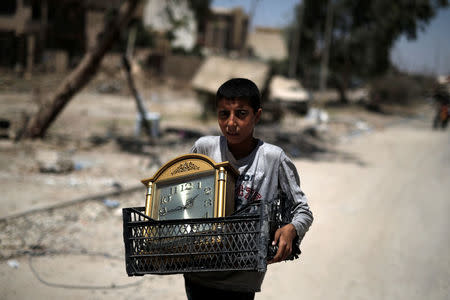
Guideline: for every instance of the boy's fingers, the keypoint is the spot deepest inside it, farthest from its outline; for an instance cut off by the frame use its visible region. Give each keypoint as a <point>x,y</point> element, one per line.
<point>283,237</point>
<point>281,254</point>
<point>276,237</point>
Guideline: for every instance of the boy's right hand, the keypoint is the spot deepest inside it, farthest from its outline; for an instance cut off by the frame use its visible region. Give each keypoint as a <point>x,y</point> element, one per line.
<point>283,238</point>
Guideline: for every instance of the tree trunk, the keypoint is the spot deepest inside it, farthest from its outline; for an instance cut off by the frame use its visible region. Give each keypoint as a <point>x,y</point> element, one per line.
<point>295,46</point>
<point>326,49</point>
<point>78,78</point>
<point>343,83</point>
<point>342,94</point>
<point>137,97</point>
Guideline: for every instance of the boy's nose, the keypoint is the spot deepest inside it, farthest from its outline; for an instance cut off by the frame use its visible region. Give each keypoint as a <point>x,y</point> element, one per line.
<point>231,124</point>
<point>231,120</point>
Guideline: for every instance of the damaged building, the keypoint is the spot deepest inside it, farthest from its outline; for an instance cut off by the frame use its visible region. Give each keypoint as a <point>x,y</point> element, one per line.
<point>51,34</point>
<point>226,30</point>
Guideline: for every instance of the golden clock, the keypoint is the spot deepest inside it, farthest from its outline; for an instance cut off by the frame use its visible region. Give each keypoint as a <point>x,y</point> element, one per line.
<point>191,186</point>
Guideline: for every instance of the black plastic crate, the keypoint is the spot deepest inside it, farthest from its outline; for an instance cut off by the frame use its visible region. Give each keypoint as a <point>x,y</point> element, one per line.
<point>194,245</point>
<point>238,242</point>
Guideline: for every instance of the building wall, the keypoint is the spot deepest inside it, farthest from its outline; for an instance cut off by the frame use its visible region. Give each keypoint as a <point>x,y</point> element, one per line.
<point>14,21</point>
<point>181,67</point>
<point>226,30</point>
<point>35,31</point>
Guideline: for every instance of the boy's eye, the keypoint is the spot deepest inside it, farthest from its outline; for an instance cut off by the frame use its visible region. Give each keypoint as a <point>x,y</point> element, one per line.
<point>223,114</point>
<point>241,113</point>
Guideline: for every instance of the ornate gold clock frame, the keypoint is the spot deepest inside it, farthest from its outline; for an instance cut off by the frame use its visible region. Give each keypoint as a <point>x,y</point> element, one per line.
<point>191,186</point>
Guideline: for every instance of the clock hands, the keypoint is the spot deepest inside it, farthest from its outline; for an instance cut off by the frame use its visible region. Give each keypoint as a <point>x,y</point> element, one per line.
<point>189,203</point>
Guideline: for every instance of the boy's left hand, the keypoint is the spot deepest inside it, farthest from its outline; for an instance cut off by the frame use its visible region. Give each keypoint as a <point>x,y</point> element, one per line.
<point>283,237</point>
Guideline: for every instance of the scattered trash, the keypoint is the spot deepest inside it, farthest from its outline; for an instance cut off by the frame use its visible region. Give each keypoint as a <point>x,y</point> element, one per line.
<point>117,185</point>
<point>60,167</point>
<point>4,128</point>
<point>54,162</point>
<point>311,131</point>
<point>184,133</point>
<point>78,166</point>
<point>98,140</point>
<point>317,116</point>
<point>13,263</point>
<point>153,119</point>
<point>111,203</point>
<point>82,164</point>
<point>109,87</point>
<point>361,125</point>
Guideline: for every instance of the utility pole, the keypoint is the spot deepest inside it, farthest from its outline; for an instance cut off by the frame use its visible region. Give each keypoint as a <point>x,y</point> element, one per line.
<point>253,6</point>
<point>251,14</point>
<point>326,47</point>
<point>295,46</point>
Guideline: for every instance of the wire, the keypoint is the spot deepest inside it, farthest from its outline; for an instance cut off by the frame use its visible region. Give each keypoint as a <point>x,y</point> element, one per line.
<point>74,286</point>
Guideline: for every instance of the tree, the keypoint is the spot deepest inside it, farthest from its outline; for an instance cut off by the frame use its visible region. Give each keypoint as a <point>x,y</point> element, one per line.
<point>80,76</point>
<point>363,33</point>
<point>201,12</point>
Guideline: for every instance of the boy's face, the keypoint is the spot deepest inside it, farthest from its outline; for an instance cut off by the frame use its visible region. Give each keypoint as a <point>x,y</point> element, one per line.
<point>236,120</point>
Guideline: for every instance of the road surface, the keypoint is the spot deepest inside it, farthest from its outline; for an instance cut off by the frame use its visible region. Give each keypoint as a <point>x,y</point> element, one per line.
<point>381,231</point>
<point>381,228</point>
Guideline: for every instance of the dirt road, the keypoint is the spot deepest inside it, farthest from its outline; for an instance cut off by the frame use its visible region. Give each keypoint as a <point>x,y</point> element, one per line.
<point>381,231</point>
<point>381,227</point>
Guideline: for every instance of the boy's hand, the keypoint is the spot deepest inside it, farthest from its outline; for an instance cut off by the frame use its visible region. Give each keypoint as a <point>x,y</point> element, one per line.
<point>283,237</point>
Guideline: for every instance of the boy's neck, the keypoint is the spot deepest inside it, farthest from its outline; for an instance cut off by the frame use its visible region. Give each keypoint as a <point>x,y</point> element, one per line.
<point>244,149</point>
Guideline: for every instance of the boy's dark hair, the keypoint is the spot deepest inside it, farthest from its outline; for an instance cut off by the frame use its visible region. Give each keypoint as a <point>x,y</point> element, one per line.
<point>242,89</point>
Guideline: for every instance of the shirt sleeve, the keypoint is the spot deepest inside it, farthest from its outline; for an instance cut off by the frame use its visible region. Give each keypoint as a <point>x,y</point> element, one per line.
<point>204,145</point>
<point>298,207</point>
<point>194,148</point>
<point>200,146</point>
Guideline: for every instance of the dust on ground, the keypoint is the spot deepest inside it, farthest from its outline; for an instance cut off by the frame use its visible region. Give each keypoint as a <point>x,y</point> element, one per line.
<point>76,209</point>
<point>92,151</point>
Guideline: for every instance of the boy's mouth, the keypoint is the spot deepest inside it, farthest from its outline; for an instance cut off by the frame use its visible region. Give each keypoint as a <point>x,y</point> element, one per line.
<point>232,133</point>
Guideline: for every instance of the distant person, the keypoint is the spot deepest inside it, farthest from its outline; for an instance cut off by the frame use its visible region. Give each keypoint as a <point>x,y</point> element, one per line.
<point>442,99</point>
<point>265,170</point>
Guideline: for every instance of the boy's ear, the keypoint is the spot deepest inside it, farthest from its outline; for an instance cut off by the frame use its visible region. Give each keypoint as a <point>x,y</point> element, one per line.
<point>258,115</point>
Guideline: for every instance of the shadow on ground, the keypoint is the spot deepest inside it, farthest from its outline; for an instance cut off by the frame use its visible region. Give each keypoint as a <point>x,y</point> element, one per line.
<point>306,144</point>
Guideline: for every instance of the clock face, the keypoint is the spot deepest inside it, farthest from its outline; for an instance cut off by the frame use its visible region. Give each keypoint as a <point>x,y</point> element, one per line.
<point>186,198</point>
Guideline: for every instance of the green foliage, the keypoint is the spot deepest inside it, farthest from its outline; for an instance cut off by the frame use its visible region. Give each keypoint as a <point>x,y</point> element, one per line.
<point>362,36</point>
<point>143,37</point>
<point>201,12</point>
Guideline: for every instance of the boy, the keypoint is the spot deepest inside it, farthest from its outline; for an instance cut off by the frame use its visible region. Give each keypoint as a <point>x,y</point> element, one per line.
<point>264,170</point>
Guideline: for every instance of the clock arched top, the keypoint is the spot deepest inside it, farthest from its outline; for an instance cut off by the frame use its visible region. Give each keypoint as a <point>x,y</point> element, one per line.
<point>188,164</point>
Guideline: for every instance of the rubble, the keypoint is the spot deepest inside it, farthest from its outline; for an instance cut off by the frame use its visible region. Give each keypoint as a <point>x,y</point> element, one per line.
<point>65,229</point>
<point>54,162</point>
<point>4,128</point>
<point>111,203</point>
<point>110,87</point>
<point>13,263</point>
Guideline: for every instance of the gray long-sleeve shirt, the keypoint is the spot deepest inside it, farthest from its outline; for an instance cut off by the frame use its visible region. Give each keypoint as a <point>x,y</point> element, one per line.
<point>263,174</point>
